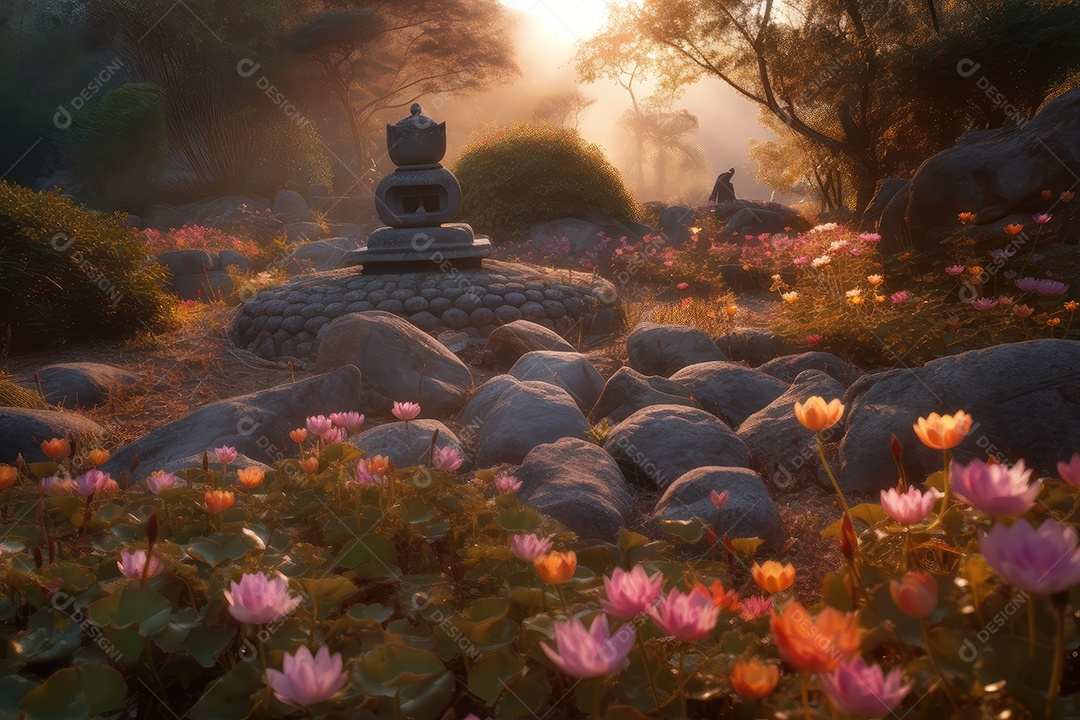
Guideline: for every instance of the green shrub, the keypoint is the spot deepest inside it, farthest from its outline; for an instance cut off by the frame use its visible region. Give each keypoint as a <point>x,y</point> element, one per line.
<point>285,154</point>
<point>535,172</point>
<point>72,275</point>
<point>117,145</point>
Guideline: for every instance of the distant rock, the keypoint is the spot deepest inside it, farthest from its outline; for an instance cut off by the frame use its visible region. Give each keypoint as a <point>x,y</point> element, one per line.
<point>408,444</point>
<point>290,206</point>
<point>753,222</point>
<point>73,385</point>
<point>571,371</point>
<point>318,256</point>
<point>788,367</point>
<point>729,391</point>
<point>663,349</point>
<point>657,444</point>
<point>578,484</point>
<point>628,391</point>
<point>398,362</point>
<point>23,431</point>
<point>675,223</point>
<point>890,188</point>
<point>753,347</point>
<point>509,342</point>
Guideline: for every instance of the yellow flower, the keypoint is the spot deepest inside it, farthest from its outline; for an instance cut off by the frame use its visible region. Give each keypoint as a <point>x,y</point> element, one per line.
<point>772,577</point>
<point>879,298</point>
<point>250,476</point>
<point>943,432</point>
<point>976,270</point>
<point>754,679</point>
<point>790,297</point>
<point>8,476</point>
<point>1071,306</point>
<point>99,457</point>
<point>817,415</point>
<point>875,280</point>
<point>556,567</point>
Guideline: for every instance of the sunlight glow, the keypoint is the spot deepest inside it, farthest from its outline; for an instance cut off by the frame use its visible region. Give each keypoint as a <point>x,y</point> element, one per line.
<point>575,19</point>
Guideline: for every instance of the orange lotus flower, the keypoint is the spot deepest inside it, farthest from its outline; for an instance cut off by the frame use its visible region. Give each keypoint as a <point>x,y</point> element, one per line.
<point>556,567</point>
<point>1072,305</point>
<point>298,435</point>
<point>380,465</point>
<point>250,476</point>
<point>817,415</point>
<point>812,644</point>
<point>754,679</point>
<point>310,465</point>
<point>1067,196</point>
<point>874,280</point>
<point>731,310</point>
<point>721,598</point>
<point>99,457</point>
<point>915,593</point>
<point>8,475</point>
<point>1022,311</point>
<point>772,577</point>
<point>943,432</point>
<point>1014,228</point>
<point>966,218</point>
<point>219,500</point>
<point>56,448</point>
<point>1052,322</point>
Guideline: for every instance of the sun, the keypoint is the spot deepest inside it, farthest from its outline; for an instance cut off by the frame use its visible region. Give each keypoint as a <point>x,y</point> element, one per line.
<point>574,18</point>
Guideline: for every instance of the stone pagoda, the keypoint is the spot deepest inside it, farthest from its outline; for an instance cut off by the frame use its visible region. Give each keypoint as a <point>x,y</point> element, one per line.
<point>418,202</point>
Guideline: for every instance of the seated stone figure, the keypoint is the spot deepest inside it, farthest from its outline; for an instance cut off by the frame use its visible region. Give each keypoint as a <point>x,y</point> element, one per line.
<point>723,190</point>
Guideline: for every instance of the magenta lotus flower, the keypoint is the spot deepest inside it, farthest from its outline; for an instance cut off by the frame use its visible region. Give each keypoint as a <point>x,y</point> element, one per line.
<point>802,260</point>
<point>507,483</point>
<point>405,410</point>
<point>347,420</point>
<point>863,690</point>
<point>529,547</point>
<point>984,304</point>
<point>161,481</point>
<point>259,599</point>
<point>447,458</point>
<point>628,594</point>
<point>870,237</point>
<point>995,489</point>
<point>305,680</point>
<point>1042,286</point>
<point>595,652</point>
<point>335,435</point>
<point>690,617</point>
<point>92,482</point>
<point>1070,472</point>
<point>319,424</point>
<point>133,564</point>
<point>900,296</point>
<point>910,507</point>
<point>719,499</point>
<point>225,454</point>
<point>57,485</point>
<point>1043,561</point>
<point>754,607</point>
<point>955,269</point>
<point>1041,218</point>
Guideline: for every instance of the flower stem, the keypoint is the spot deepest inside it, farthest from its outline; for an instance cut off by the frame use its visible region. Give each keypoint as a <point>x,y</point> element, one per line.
<point>825,464</point>
<point>648,671</point>
<point>682,684</point>
<point>1031,629</point>
<point>806,695</point>
<point>562,598</point>
<point>1059,650</point>
<point>934,663</point>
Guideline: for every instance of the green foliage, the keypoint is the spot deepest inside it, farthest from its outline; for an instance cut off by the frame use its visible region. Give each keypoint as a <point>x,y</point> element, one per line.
<point>118,144</point>
<point>72,275</point>
<point>531,173</point>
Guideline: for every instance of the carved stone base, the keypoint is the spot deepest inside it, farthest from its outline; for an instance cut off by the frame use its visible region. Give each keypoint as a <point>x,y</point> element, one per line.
<point>394,250</point>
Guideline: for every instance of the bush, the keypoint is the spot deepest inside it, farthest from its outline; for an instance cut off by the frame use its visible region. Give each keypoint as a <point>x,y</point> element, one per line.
<point>72,275</point>
<point>531,173</point>
<point>117,146</point>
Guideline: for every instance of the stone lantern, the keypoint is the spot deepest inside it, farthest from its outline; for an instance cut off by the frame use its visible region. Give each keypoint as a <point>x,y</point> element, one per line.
<point>418,202</point>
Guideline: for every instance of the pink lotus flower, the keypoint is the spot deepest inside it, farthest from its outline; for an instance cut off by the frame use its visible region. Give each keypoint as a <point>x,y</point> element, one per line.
<point>984,304</point>
<point>1005,301</point>
<point>161,480</point>
<point>682,286</point>
<point>1043,561</point>
<point>690,617</point>
<point>507,483</point>
<point>57,485</point>
<point>870,237</point>
<point>335,435</point>
<point>899,296</point>
<point>955,269</point>
<point>1042,286</point>
<point>94,481</point>
<point>347,420</point>
<point>995,489</point>
<point>719,499</point>
<point>225,454</point>
<point>628,594</point>
<point>405,411</point>
<point>800,260</point>
<point>910,507</point>
<point>258,599</point>
<point>365,477</point>
<point>1070,472</point>
<point>305,680</point>
<point>1041,218</point>
<point>755,607</point>
<point>447,458</point>
<point>595,652</point>
<point>529,547</point>
<point>319,424</point>
<point>133,564</point>
<point>863,690</point>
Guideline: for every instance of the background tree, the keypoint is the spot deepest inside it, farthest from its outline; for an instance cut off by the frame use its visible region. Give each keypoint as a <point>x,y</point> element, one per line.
<point>563,108</point>
<point>668,142</point>
<point>868,82</point>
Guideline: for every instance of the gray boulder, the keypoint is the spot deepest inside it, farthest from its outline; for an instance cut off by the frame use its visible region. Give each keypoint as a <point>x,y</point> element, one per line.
<point>657,444</point>
<point>1024,399</point>
<point>530,414</point>
<point>753,222</point>
<point>398,363</point>
<point>627,391</point>
<point>781,449</point>
<point>675,223</point>
<point>729,391</point>
<point>480,404</point>
<point>189,262</point>
<point>254,424</point>
<point>318,256</point>
<point>298,233</point>
<point>571,371</point>
<point>509,342</point>
<point>72,385</point>
<point>890,188</point>
<point>754,347</point>
<point>789,367</point>
<point>749,511</point>
<point>578,484</point>
<point>662,349</point>
<point>408,444</point>
<point>23,431</point>
<point>231,257</point>
<point>290,206</point>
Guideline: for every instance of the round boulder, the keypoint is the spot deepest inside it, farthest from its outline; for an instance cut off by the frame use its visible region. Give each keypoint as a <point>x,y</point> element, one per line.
<point>84,384</point>
<point>662,349</point>
<point>569,370</point>
<point>729,391</point>
<point>510,341</point>
<point>408,444</point>
<point>530,414</point>
<point>788,367</point>
<point>23,431</point>
<point>627,391</point>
